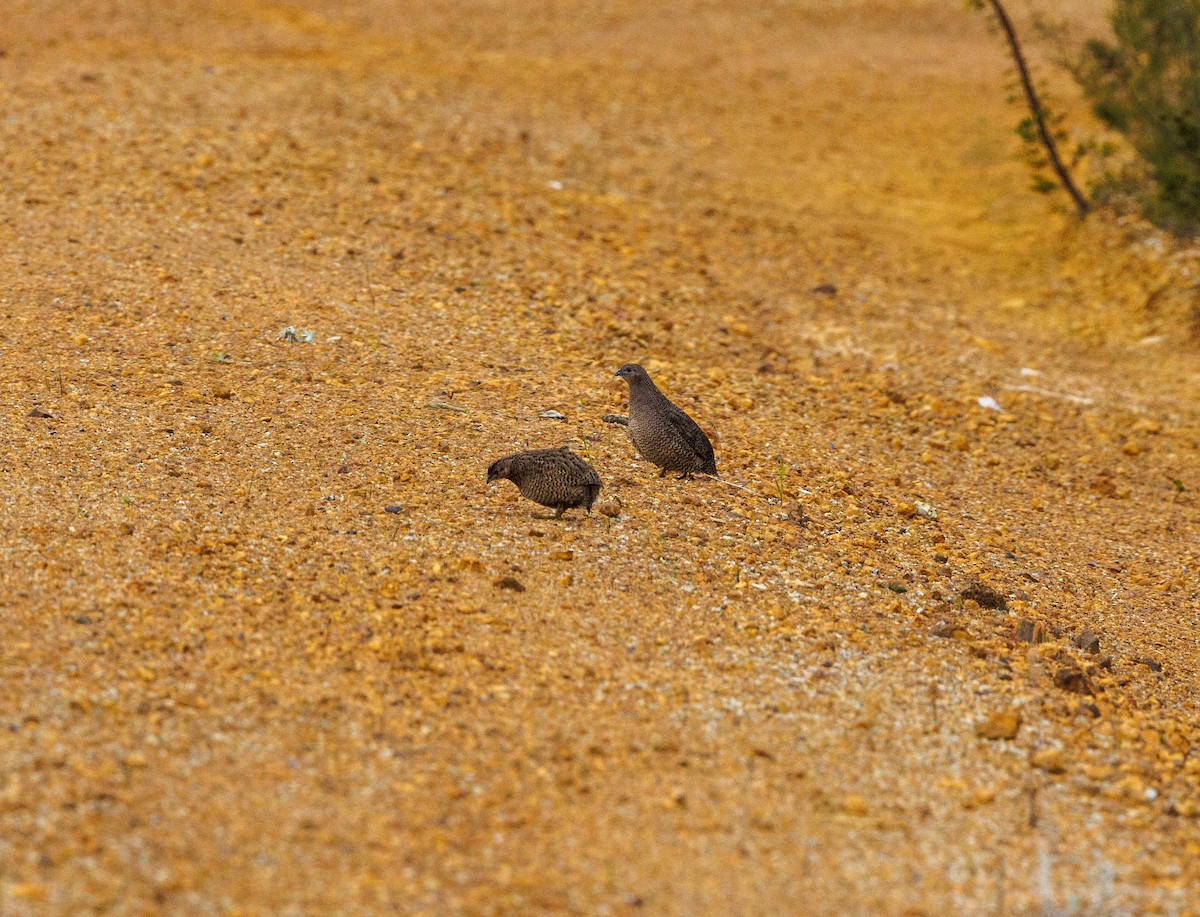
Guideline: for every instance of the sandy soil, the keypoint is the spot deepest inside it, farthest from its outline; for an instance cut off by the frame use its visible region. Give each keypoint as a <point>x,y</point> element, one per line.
<point>234,684</point>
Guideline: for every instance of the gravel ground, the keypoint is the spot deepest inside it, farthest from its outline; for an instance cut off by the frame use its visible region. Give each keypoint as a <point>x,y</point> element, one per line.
<point>269,643</point>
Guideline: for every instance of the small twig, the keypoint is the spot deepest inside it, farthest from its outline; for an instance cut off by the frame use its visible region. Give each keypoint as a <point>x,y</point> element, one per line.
<point>585,448</point>
<point>250,488</point>
<point>1154,296</point>
<point>1034,390</point>
<point>445,406</point>
<point>1035,109</point>
<point>367,271</point>
<point>1001,879</point>
<point>713,477</point>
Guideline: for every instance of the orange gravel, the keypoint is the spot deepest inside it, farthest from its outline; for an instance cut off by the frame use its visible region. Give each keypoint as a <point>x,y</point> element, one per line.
<point>233,683</point>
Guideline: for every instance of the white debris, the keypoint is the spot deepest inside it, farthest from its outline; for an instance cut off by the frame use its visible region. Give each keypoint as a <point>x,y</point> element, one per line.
<point>297,336</point>
<point>987,401</point>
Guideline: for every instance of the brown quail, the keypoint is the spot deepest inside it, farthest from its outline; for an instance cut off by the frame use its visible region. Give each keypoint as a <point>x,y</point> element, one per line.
<point>661,431</point>
<point>557,478</point>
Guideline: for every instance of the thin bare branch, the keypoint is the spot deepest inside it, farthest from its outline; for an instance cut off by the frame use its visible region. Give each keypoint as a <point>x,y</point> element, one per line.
<point>1036,109</point>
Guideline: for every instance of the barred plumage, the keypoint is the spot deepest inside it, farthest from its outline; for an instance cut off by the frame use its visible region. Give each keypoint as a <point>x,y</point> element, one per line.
<point>557,478</point>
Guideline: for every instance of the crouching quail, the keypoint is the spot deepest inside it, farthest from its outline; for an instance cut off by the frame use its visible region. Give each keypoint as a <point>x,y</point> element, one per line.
<point>557,478</point>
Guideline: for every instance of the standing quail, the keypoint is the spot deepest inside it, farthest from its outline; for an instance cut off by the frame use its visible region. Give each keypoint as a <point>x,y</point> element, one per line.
<point>557,478</point>
<point>661,431</point>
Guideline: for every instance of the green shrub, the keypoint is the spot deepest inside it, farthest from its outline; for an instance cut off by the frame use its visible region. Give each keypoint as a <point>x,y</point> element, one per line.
<point>1146,85</point>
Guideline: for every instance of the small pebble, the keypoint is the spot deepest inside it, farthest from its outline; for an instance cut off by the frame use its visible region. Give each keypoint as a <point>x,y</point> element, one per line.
<point>1001,725</point>
<point>1049,760</point>
<point>987,597</point>
<point>1031,631</point>
<point>1088,641</point>
<point>610,507</point>
<point>1073,680</point>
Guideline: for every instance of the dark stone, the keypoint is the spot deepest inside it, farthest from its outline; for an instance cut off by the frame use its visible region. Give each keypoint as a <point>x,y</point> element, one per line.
<point>1088,641</point>
<point>1073,680</point>
<point>1031,631</point>
<point>985,595</point>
